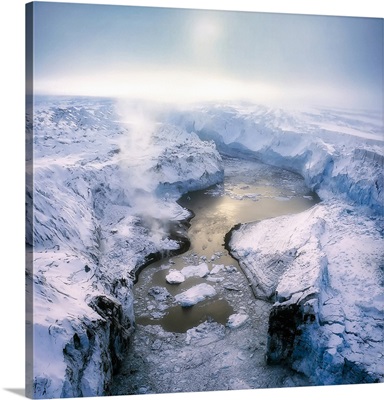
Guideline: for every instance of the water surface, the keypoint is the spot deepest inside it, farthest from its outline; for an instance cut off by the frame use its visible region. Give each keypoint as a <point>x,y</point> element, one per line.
<point>251,191</point>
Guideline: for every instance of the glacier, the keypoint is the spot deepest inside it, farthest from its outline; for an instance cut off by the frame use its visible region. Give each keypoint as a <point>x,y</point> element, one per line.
<point>105,177</point>
<point>99,208</point>
<point>323,268</point>
<point>338,152</point>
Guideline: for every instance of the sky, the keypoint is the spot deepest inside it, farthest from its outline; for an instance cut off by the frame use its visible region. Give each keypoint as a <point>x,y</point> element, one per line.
<point>169,54</point>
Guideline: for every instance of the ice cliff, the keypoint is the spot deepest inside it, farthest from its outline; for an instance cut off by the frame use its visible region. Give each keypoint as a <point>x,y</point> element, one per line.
<point>323,268</point>
<point>339,153</point>
<point>100,206</point>
<point>101,203</point>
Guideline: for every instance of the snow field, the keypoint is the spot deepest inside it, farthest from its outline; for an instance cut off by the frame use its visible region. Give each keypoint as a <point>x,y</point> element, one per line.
<point>327,262</point>
<point>91,208</point>
<point>102,198</point>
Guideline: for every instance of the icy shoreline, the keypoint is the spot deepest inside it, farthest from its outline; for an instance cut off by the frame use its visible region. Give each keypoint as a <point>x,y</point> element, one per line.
<point>338,153</point>
<point>322,268</point>
<point>99,214</point>
<point>95,221</point>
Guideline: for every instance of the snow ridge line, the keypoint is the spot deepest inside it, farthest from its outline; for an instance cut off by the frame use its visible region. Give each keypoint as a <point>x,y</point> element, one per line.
<point>324,341</point>
<point>333,163</point>
<point>95,221</point>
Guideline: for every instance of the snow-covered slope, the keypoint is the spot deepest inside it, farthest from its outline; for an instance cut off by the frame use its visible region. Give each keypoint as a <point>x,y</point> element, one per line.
<point>102,204</point>
<point>99,207</point>
<point>323,268</point>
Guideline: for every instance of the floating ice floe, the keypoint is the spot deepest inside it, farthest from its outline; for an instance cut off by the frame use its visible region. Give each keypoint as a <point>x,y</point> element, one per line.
<point>195,295</point>
<point>214,279</point>
<point>174,277</point>
<point>159,293</point>
<point>237,320</point>
<point>216,268</point>
<point>200,270</point>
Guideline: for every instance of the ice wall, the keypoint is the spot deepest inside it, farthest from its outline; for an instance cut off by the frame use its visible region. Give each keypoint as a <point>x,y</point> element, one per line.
<point>101,204</point>
<point>322,268</point>
<point>339,153</point>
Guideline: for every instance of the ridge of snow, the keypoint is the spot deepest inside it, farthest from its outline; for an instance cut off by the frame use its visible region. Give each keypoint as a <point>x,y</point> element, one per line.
<point>327,261</point>
<point>94,215</point>
<point>338,152</point>
<point>292,259</point>
<point>104,192</point>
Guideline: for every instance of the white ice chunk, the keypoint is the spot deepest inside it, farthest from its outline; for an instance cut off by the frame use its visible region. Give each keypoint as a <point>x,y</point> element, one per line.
<point>200,270</point>
<point>217,268</point>
<point>195,294</point>
<point>236,320</point>
<point>174,277</point>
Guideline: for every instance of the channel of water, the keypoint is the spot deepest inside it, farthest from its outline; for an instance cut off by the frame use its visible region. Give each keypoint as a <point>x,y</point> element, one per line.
<point>251,191</point>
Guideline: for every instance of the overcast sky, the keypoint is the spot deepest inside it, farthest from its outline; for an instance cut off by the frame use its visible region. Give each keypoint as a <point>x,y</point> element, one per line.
<point>171,54</point>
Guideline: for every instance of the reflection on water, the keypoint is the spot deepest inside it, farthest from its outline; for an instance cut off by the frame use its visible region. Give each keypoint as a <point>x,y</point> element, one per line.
<point>179,319</point>
<point>251,191</point>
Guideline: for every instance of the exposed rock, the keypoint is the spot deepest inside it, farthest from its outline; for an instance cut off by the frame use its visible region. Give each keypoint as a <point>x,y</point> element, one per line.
<point>93,225</point>
<point>82,169</point>
<point>327,317</point>
<point>208,357</point>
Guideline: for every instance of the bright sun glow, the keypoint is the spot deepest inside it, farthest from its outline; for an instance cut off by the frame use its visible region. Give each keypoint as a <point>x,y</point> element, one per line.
<point>206,32</point>
<point>205,36</point>
<point>186,86</point>
<point>160,85</point>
